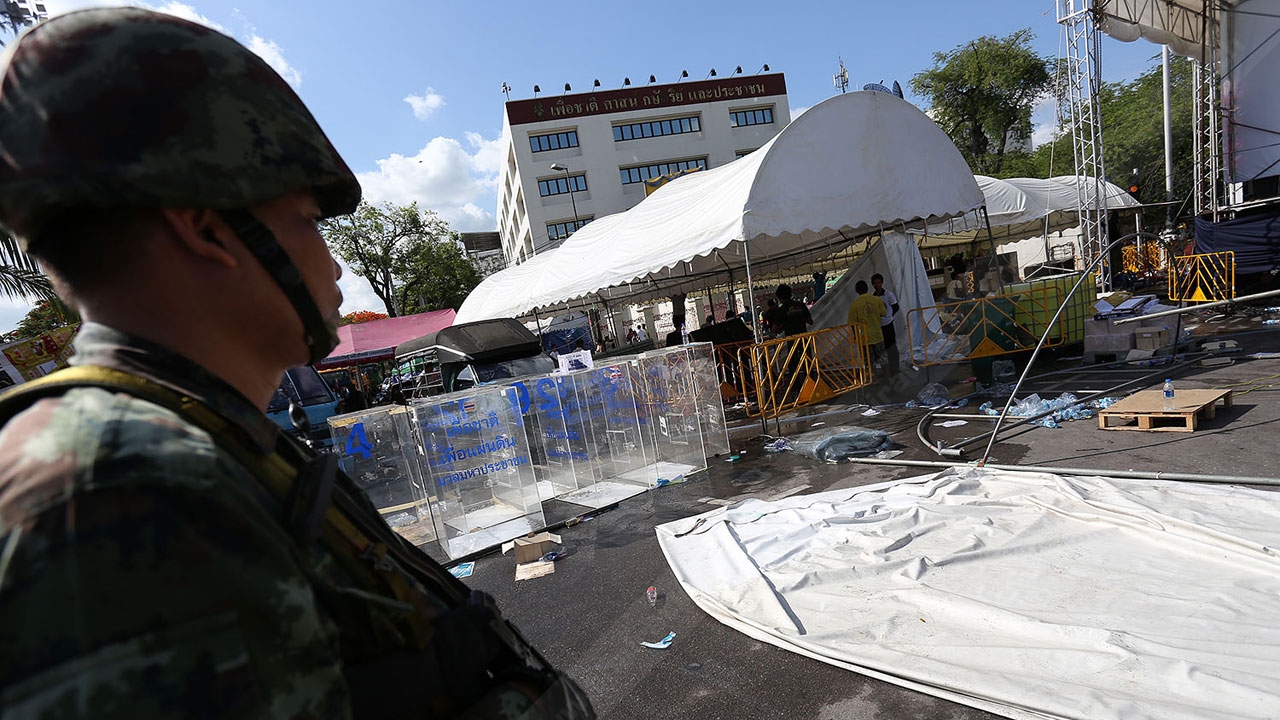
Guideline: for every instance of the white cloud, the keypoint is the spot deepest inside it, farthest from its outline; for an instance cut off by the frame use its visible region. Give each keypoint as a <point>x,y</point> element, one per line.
<point>425,105</point>
<point>797,112</point>
<point>262,47</point>
<point>443,176</point>
<point>1044,121</point>
<point>357,293</point>
<point>274,56</point>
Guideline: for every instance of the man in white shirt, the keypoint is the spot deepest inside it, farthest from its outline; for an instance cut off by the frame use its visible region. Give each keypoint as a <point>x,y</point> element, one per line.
<point>886,322</point>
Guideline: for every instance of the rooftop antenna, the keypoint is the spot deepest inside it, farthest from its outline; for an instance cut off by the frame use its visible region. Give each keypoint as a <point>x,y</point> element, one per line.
<point>506,90</point>
<point>841,78</point>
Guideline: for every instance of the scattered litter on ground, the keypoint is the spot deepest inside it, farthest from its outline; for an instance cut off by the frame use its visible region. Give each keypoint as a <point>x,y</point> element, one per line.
<point>778,445</point>
<point>733,458</point>
<point>953,423</point>
<point>463,570</point>
<point>652,594</point>
<point>536,569</point>
<point>934,394</point>
<point>1066,407</point>
<point>818,424</point>
<point>1265,356</point>
<point>662,644</point>
<point>870,412</point>
<point>554,555</point>
<point>887,454</point>
<point>842,442</point>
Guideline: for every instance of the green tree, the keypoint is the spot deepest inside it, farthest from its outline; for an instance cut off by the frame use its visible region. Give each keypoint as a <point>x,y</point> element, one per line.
<point>409,256</point>
<point>982,93</point>
<point>45,316</point>
<point>1133,139</point>
<point>444,279</point>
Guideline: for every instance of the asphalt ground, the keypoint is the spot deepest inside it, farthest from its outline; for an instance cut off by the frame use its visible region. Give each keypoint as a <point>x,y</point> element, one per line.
<point>590,616</point>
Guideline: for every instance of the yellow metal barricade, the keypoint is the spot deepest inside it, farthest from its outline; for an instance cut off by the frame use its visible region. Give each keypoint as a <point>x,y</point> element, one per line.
<point>804,369</point>
<point>983,327</point>
<point>735,385</point>
<point>1206,277</point>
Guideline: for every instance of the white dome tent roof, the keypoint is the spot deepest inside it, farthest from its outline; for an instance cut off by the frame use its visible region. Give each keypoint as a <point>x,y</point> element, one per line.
<point>850,165</point>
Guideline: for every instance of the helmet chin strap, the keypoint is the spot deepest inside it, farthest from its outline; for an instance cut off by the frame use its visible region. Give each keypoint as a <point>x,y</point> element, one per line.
<point>319,337</point>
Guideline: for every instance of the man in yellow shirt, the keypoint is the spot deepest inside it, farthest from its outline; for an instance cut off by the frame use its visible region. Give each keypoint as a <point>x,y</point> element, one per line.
<point>867,310</point>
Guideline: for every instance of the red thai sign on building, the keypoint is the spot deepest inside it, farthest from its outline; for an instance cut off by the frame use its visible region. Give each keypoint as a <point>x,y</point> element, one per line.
<point>649,97</point>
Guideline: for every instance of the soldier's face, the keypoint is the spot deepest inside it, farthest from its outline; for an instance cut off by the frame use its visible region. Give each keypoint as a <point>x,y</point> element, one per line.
<point>294,219</point>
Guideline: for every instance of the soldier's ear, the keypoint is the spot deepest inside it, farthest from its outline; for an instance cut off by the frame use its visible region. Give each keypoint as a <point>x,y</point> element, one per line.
<point>204,234</point>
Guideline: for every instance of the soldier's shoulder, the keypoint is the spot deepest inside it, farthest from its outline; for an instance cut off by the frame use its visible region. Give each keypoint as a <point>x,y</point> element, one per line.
<point>91,438</point>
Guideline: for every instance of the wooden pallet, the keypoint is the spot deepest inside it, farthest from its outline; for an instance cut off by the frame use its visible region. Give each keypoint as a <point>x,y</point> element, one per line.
<point>1147,408</point>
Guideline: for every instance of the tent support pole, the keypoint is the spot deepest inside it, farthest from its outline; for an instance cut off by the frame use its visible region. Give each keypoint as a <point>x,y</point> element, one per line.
<point>751,293</point>
<point>537,321</point>
<point>995,256</point>
<point>755,319</point>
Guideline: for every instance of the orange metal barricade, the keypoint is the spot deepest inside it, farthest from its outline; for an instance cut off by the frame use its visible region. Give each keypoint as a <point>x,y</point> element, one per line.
<point>787,373</point>
<point>983,327</point>
<point>1205,277</point>
<point>735,385</point>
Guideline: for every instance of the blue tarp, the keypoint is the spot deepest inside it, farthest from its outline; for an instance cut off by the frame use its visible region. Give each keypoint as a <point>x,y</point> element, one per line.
<point>1255,240</point>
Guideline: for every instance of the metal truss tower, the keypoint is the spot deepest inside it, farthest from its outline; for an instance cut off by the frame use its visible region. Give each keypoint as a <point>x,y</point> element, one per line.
<point>1084,116</point>
<point>1206,128</point>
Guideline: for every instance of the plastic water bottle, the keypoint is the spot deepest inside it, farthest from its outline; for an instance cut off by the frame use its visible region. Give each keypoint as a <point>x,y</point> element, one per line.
<point>684,334</point>
<point>1169,403</point>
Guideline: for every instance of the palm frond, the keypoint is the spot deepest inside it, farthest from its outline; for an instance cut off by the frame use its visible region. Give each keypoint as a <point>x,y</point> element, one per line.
<point>11,254</point>
<point>18,283</point>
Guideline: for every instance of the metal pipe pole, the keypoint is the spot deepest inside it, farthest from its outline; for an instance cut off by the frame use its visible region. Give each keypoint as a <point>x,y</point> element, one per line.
<point>995,256</point>
<point>1199,306</point>
<point>1121,474</point>
<point>1168,139</point>
<point>751,293</point>
<point>1045,336</point>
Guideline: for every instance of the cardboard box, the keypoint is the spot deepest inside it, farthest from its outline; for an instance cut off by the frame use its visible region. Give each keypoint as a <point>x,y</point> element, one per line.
<point>1108,343</point>
<point>1105,326</point>
<point>1148,337</point>
<point>532,547</point>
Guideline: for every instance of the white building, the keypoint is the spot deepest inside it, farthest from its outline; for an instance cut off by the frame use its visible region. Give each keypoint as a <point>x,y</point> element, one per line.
<point>576,157</point>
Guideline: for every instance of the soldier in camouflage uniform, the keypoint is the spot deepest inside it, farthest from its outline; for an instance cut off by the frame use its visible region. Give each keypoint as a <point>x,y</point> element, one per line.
<point>165,551</point>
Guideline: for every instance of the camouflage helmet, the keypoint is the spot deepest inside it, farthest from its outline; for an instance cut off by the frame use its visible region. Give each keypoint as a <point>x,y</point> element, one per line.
<point>128,108</point>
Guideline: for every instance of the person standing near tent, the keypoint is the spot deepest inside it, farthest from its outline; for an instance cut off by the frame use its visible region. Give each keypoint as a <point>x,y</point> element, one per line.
<point>169,552</point>
<point>887,328</point>
<point>867,310</point>
<point>957,290</point>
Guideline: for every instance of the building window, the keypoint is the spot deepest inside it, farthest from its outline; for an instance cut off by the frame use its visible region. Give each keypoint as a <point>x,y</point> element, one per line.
<point>556,231</point>
<point>743,153</point>
<point>560,185</point>
<point>553,141</point>
<point>741,118</point>
<point>656,128</point>
<point>644,172</point>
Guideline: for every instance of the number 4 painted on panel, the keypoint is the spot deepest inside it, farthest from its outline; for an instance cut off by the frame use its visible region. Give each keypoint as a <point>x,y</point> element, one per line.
<point>357,442</point>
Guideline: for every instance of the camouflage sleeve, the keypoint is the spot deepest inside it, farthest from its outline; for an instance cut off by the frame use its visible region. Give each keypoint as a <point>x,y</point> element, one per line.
<point>138,579</point>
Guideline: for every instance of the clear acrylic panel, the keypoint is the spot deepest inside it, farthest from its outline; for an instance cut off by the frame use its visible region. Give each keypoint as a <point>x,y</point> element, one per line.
<point>377,450</point>
<point>706,382</point>
<point>479,466</point>
<point>668,404</point>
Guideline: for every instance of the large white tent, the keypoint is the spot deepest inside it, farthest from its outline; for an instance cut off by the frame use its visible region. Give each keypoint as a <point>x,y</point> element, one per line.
<point>1020,208</point>
<point>848,167</point>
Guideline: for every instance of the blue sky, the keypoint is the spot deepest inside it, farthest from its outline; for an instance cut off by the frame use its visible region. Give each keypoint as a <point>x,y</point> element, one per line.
<point>409,91</point>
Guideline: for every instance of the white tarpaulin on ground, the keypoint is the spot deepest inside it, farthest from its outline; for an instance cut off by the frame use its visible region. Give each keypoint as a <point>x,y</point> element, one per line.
<point>847,167</point>
<point>1028,595</point>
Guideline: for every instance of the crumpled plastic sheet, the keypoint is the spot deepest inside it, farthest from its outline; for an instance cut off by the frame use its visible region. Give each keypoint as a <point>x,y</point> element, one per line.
<point>1065,407</point>
<point>840,443</point>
